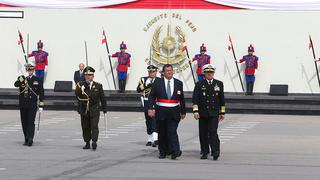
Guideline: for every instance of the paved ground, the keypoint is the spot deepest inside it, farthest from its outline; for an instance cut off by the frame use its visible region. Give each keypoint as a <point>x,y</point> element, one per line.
<point>254,147</point>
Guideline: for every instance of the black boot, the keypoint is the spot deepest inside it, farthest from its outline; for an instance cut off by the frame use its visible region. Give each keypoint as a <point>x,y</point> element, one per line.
<point>87,146</point>
<point>120,86</point>
<point>247,88</point>
<point>251,88</point>
<point>94,145</point>
<point>124,85</point>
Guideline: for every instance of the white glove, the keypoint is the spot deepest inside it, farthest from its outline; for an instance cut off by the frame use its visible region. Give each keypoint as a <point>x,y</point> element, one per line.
<point>237,61</point>
<point>109,54</point>
<point>128,71</point>
<point>40,109</point>
<point>26,55</point>
<point>82,88</point>
<point>256,71</point>
<point>45,68</point>
<point>148,81</point>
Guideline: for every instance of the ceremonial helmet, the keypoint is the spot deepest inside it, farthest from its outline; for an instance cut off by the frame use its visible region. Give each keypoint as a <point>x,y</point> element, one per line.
<point>203,48</point>
<point>40,44</point>
<point>250,48</point>
<point>123,45</point>
<point>88,70</point>
<point>208,68</point>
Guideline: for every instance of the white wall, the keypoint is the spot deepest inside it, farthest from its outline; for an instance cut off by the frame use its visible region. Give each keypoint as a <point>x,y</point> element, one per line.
<point>280,39</point>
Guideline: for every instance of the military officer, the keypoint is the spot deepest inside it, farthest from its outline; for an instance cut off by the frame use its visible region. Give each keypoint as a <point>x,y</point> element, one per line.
<point>41,61</point>
<point>144,87</point>
<point>31,95</point>
<point>123,66</point>
<point>251,61</point>
<point>167,104</point>
<point>201,59</point>
<point>209,109</point>
<point>90,94</point>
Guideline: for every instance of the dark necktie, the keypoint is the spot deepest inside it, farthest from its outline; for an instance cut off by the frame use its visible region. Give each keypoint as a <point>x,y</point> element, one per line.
<point>168,90</point>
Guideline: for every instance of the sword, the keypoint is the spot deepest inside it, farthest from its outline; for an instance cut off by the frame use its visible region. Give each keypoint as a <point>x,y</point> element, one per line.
<point>105,123</point>
<point>38,129</point>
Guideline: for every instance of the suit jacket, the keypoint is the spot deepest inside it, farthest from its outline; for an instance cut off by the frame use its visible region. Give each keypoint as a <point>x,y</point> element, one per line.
<point>158,91</point>
<point>77,77</point>
<point>89,99</point>
<point>29,90</point>
<point>207,99</point>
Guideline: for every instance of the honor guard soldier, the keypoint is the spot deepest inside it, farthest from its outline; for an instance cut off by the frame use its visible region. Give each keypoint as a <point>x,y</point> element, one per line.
<point>201,59</point>
<point>90,94</point>
<point>209,109</point>
<point>123,66</point>
<point>167,104</point>
<point>41,61</point>
<point>144,87</point>
<point>251,68</point>
<point>31,95</point>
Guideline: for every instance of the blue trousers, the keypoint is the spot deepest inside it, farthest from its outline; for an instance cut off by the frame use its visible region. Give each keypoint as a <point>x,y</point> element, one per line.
<point>122,75</point>
<point>250,78</point>
<point>200,77</point>
<point>40,74</point>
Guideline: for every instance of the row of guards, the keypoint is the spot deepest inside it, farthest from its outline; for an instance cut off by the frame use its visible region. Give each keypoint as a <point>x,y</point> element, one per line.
<point>124,63</point>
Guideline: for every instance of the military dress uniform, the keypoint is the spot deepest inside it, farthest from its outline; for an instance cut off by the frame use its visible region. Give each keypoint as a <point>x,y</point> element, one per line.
<point>31,95</point>
<point>208,101</point>
<point>41,61</point>
<point>167,99</point>
<point>144,87</point>
<point>202,59</point>
<point>123,66</point>
<point>251,62</point>
<point>90,94</point>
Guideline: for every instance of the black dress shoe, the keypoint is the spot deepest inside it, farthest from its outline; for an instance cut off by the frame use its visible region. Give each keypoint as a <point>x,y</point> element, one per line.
<point>175,155</point>
<point>29,143</point>
<point>162,156</point>
<point>149,143</point>
<point>216,155</point>
<point>87,146</point>
<point>154,144</point>
<point>204,156</point>
<point>94,145</point>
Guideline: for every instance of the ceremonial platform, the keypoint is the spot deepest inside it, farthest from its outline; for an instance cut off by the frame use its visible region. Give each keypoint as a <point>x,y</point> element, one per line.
<point>260,103</point>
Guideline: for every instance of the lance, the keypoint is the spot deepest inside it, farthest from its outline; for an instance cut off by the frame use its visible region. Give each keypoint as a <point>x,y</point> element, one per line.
<point>86,50</point>
<point>108,52</point>
<point>314,57</point>
<point>22,46</point>
<point>190,65</point>
<point>235,60</point>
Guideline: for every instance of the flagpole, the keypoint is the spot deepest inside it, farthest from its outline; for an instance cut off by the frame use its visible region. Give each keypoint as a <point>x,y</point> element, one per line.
<point>107,47</point>
<point>314,57</point>
<point>190,65</point>
<point>235,61</point>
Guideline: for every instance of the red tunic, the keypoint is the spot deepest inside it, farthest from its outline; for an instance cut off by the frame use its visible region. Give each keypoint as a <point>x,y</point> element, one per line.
<point>123,61</point>
<point>41,58</point>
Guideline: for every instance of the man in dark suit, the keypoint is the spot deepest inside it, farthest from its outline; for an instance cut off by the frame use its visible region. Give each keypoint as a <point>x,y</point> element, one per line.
<point>79,75</point>
<point>209,109</point>
<point>167,104</point>
<point>31,95</point>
